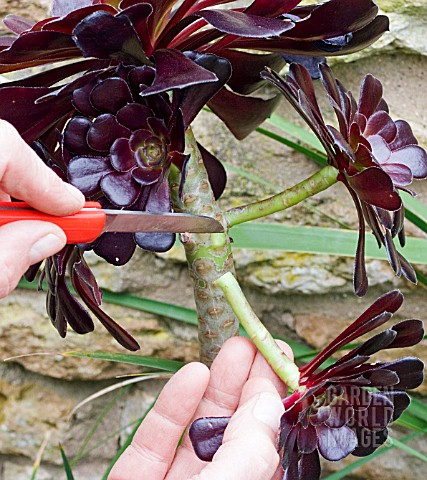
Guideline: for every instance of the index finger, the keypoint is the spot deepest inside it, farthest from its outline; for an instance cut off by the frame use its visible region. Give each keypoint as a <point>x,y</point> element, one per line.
<point>24,176</point>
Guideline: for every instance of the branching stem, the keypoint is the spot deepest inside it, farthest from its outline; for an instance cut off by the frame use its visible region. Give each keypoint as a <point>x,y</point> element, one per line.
<point>318,182</point>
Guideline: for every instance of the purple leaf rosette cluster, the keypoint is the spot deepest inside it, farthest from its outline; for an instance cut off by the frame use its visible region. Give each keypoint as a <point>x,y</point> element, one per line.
<point>346,407</point>
<point>99,33</point>
<point>375,156</point>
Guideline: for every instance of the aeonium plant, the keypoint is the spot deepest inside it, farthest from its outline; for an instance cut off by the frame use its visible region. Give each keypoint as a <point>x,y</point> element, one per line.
<point>111,112</point>
<point>341,409</point>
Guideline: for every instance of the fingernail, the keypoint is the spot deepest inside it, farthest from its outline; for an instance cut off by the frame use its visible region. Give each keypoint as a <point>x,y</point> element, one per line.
<point>44,247</point>
<point>268,409</point>
<point>74,192</point>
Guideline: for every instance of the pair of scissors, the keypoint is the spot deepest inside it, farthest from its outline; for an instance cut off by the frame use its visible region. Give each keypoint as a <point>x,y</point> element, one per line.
<point>92,221</point>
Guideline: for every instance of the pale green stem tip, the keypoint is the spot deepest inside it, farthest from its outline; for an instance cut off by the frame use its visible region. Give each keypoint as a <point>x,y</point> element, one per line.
<point>265,343</point>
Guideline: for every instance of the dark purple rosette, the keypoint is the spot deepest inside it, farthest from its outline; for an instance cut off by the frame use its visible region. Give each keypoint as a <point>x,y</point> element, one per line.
<point>95,34</point>
<point>375,156</point>
<point>346,407</point>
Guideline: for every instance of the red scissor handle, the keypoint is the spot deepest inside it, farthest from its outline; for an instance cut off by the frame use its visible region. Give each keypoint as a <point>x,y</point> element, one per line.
<point>82,227</point>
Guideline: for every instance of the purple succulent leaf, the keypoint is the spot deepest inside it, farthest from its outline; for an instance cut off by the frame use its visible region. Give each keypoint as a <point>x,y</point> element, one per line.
<point>18,24</point>
<point>375,187</point>
<point>336,443</point>
<point>115,38</point>
<point>410,371</point>
<point>206,436</point>
<point>303,79</point>
<point>67,23</point>
<point>371,92</point>
<point>271,8</point>
<point>409,333</point>
<point>379,311</point>
<point>120,188</point>
<point>60,7</point>
<point>115,330</point>
<point>369,441</point>
<point>193,98</point>
<point>378,342</point>
<point>245,78</point>
<point>407,269</point>
<point>307,439</point>
<point>110,95</point>
<point>400,400</point>
<point>81,99</point>
<point>392,253</point>
<point>6,41</point>
<point>134,116</point>
<point>341,413</point>
<point>311,63</point>
<point>225,104</point>
<point>335,18</point>
<point>31,122</point>
<point>243,24</point>
<point>413,157</point>
<point>287,421</point>
<point>88,283</point>
<point>85,173</point>
<point>158,202</point>
<point>146,176</point>
<point>139,14</point>
<point>77,317</point>
<point>104,131</point>
<point>404,136</point>
<point>381,378</point>
<point>360,277</point>
<point>290,454</point>
<point>176,70</point>
<point>121,156</point>
<point>55,314</point>
<point>380,123</point>
<point>340,367</point>
<point>321,415</point>
<point>360,40</point>
<point>116,248</point>
<point>380,149</point>
<point>54,75</point>
<point>309,466</point>
<point>75,135</point>
<point>399,173</point>
<point>215,170</point>
<point>37,48</point>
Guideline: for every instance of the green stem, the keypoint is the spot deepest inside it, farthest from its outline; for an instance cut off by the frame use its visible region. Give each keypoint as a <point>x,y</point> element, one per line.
<point>279,362</point>
<point>208,255</point>
<point>318,182</point>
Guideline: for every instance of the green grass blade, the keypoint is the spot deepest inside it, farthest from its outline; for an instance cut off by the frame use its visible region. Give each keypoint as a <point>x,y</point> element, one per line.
<point>317,240</point>
<point>300,133</point>
<point>132,359</point>
<point>408,449</point>
<point>67,466</point>
<point>182,314</point>
<point>319,158</point>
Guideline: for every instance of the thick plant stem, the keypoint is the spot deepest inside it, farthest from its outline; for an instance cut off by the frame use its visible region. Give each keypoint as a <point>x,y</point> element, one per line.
<point>279,362</point>
<point>318,182</point>
<point>208,255</point>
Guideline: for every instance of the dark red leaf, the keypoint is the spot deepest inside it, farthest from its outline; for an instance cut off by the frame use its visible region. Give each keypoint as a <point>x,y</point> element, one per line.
<point>206,436</point>
<point>243,24</point>
<point>409,333</point>
<point>336,443</point>
<point>116,248</point>
<point>176,70</point>
<point>225,104</point>
<point>85,173</point>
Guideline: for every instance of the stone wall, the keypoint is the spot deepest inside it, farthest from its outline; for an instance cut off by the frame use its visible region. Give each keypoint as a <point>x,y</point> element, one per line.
<point>298,296</point>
